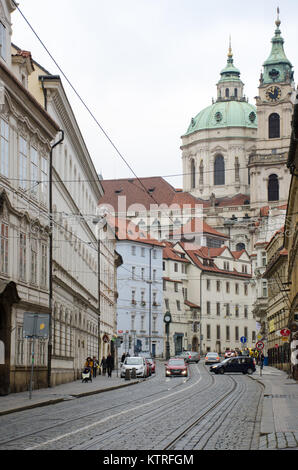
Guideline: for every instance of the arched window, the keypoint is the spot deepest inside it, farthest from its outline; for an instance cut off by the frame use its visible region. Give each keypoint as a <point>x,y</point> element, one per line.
<point>240,246</point>
<point>193,174</point>
<point>274,126</point>
<point>227,93</point>
<point>236,92</point>
<point>201,173</point>
<point>219,171</point>
<point>273,188</point>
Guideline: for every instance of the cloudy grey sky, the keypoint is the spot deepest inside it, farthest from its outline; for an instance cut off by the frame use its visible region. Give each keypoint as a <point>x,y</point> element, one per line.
<point>146,67</point>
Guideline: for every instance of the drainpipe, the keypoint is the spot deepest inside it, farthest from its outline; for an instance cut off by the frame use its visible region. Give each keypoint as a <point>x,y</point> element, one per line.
<point>51,256</point>
<point>201,309</point>
<point>150,300</point>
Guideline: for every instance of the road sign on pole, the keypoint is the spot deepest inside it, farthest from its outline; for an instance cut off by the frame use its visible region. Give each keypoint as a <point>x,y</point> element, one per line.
<point>243,340</point>
<point>260,345</point>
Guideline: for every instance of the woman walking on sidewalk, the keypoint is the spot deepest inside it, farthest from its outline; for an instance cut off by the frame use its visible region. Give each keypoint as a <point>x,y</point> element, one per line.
<point>104,365</point>
<point>110,365</point>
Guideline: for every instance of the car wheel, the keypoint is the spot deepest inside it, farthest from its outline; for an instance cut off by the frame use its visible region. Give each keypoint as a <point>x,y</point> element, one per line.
<point>249,371</point>
<point>221,371</point>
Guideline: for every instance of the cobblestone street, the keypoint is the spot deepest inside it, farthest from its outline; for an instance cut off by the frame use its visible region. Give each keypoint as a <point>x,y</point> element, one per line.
<point>202,412</point>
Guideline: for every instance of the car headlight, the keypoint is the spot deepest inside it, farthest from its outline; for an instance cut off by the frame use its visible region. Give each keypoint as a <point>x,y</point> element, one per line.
<point>184,372</point>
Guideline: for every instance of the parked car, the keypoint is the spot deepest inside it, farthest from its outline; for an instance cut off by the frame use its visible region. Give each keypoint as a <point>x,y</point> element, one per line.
<point>190,356</point>
<point>152,362</point>
<point>244,364</point>
<point>148,365</point>
<point>212,357</point>
<point>137,363</point>
<point>177,367</point>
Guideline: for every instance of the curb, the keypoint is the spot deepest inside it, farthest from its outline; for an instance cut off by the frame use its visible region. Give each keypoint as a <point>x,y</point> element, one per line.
<point>59,400</point>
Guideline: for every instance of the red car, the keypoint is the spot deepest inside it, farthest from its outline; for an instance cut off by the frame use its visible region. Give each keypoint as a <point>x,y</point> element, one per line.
<point>176,367</point>
<point>152,362</point>
<point>149,370</point>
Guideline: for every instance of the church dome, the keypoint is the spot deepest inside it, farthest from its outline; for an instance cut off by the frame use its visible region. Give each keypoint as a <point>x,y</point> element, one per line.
<point>231,108</point>
<point>223,114</point>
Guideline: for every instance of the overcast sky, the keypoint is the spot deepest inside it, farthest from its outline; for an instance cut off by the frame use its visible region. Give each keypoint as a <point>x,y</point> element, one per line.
<point>146,67</point>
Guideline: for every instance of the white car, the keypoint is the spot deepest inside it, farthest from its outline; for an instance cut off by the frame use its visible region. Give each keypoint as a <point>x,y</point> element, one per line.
<point>137,363</point>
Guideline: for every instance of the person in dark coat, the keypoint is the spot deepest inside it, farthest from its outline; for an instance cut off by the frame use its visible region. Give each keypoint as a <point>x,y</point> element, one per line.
<point>110,365</point>
<point>104,365</point>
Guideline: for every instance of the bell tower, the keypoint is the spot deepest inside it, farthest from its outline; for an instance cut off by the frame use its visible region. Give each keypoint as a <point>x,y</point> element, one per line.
<point>269,176</point>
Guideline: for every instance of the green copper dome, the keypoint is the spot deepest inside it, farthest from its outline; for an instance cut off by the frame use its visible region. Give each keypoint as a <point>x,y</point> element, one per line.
<point>224,114</point>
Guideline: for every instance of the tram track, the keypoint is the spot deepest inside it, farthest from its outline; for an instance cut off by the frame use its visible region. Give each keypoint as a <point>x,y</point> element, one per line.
<point>145,413</point>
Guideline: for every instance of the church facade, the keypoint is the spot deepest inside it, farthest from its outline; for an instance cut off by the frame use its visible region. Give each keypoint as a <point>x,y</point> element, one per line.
<point>233,148</point>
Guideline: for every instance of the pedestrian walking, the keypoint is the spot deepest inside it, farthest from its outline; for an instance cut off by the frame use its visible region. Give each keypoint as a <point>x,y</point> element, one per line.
<point>104,365</point>
<point>123,357</point>
<point>110,365</point>
<point>95,365</point>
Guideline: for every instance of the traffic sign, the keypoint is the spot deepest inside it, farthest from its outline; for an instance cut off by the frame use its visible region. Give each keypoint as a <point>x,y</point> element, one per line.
<point>260,345</point>
<point>285,332</point>
<point>243,340</point>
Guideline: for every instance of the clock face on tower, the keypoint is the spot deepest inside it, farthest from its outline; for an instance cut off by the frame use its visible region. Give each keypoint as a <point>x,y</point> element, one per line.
<point>273,94</point>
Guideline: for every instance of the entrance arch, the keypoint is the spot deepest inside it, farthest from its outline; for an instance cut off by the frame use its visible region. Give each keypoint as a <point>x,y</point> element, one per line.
<point>195,344</point>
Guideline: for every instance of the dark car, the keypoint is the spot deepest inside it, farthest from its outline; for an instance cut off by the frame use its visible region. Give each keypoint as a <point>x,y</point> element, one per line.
<point>176,366</point>
<point>243,364</point>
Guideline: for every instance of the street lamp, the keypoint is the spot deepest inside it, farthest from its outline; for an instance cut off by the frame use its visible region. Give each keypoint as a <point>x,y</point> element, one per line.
<point>167,320</point>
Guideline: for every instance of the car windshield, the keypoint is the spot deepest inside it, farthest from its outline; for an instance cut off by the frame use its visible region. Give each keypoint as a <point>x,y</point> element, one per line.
<point>149,360</point>
<point>130,361</point>
<point>176,362</point>
<point>212,354</point>
<point>226,360</point>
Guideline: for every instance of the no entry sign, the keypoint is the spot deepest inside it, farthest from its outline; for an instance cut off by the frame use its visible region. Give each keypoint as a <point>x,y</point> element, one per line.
<point>260,345</point>
<point>285,332</point>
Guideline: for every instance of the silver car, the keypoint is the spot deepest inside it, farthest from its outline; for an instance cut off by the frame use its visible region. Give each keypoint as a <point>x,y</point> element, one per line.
<point>190,356</point>
<point>212,357</point>
<point>137,363</point>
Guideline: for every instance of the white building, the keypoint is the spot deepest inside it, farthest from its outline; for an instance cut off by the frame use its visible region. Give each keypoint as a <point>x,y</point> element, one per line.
<point>183,329</point>
<point>27,135</point>
<point>219,282</point>
<point>76,191</point>
<point>140,296</point>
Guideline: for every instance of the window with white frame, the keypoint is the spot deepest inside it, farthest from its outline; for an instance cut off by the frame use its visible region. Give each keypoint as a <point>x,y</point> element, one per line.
<point>23,160</point>
<point>4,148</point>
<point>34,171</point>
<point>44,178</point>
<point>44,264</point>
<point>3,51</point>
<point>34,261</point>
<point>4,248</point>
<point>22,256</point>
<point>154,327</point>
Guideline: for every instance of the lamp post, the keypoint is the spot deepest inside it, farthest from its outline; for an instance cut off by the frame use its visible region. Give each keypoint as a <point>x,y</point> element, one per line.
<point>167,320</point>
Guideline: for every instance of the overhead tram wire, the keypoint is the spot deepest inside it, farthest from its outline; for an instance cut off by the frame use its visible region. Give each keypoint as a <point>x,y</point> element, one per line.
<point>83,102</point>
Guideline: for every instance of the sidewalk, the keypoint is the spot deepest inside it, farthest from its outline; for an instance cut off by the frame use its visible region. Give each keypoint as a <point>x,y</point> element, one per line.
<point>47,396</point>
<point>279,419</point>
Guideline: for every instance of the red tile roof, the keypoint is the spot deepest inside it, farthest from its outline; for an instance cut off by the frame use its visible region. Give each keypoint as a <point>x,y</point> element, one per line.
<point>127,230</point>
<point>146,192</point>
<point>198,226</point>
<point>170,253</point>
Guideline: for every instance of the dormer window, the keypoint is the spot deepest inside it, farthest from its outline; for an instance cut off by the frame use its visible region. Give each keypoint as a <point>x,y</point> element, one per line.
<point>2,41</point>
